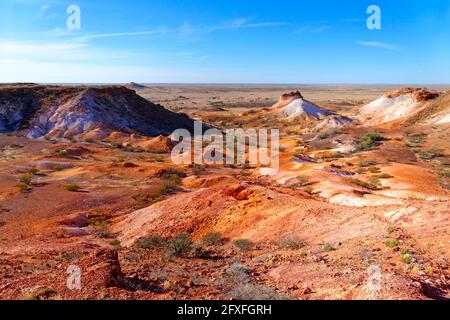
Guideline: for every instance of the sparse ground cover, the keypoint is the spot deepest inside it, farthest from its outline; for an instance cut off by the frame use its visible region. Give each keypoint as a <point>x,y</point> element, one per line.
<point>62,203</point>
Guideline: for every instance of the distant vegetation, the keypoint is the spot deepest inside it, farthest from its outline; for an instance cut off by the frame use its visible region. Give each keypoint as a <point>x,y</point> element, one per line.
<point>243,244</point>
<point>149,242</point>
<point>368,141</point>
<point>72,187</point>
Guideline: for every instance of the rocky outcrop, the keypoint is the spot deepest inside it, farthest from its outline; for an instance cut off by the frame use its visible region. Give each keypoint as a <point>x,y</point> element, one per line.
<point>398,105</point>
<point>418,94</point>
<point>79,112</point>
<point>293,107</point>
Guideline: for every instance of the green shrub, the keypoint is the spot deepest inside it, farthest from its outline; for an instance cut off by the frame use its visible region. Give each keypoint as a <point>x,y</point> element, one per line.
<point>291,241</point>
<point>39,293</point>
<point>243,244</point>
<point>26,178</point>
<point>246,173</point>
<point>212,238</point>
<point>407,258</point>
<point>173,175</point>
<point>374,170</point>
<point>98,221</point>
<point>368,163</point>
<point>429,155</point>
<point>149,242</point>
<point>239,270</point>
<point>364,184</point>
<point>300,181</point>
<point>368,141</point>
<point>250,291</point>
<point>23,187</point>
<point>328,247</point>
<point>116,245</point>
<point>71,256</point>
<point>168,187</point>
<point>391,243</point>
<point>445,174</point>
<point>200,252</point>
<point>104,234</point>
<point>72,187</point>
<point>405,251</point>
<point>33,171</point>
<point>179,245</point>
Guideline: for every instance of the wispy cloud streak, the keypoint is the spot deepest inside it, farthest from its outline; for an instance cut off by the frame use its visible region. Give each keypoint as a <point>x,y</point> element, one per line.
<point>377,44</point>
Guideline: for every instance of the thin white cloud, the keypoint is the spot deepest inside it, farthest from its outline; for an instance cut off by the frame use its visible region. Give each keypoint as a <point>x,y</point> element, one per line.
<point>377,44</point>
<point>312,28</point>
<point>44,12</point>
<point>185,30</point>
<point>121,34</point>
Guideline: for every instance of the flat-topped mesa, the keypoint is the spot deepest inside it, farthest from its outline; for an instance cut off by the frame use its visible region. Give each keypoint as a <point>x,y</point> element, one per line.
<point>289,97</point>
<point>294,108</point>
<point>135,86</point>
<point>418,94</point>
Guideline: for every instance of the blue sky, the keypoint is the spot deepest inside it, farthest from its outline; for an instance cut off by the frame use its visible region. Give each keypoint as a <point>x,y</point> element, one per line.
<point>228,41</point>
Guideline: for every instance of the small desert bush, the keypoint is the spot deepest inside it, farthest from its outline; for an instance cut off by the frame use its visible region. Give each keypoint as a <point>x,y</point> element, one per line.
<point>197,169</point>
<point>444,184</point>
<point>116,244</point>
<point>328,247</point>
<point>365,184</point>
<point>250,291</point>
<point>239,270</point>
<point>243,244</point>
<point>405,251</point>
<point>26,178</point>
<point>416,140</point>
<point>23,187</point>
<point>300,181</point>
<point>39,293</point>
<point>212,238</point>
<point>384,176</point>
<point>407,258</point>
<point>368,141</point>
<point>149,242</point>
<point>72,187</point>
<point>200,252</point>
<point>168,187</point>
<point>291,241</point>
<point>173,174</point>
<point>103,234</point>
<point>71,256</point>
<point>391,243</point>
<point>374,170</point>
<point>98,221</point>
<point>246,173</point>
<point>62,153</point>
<point>179,245</point>
<point>367,163</point>
<point>33,171</point>
<point>445,174</point>
<point>429,155</point>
